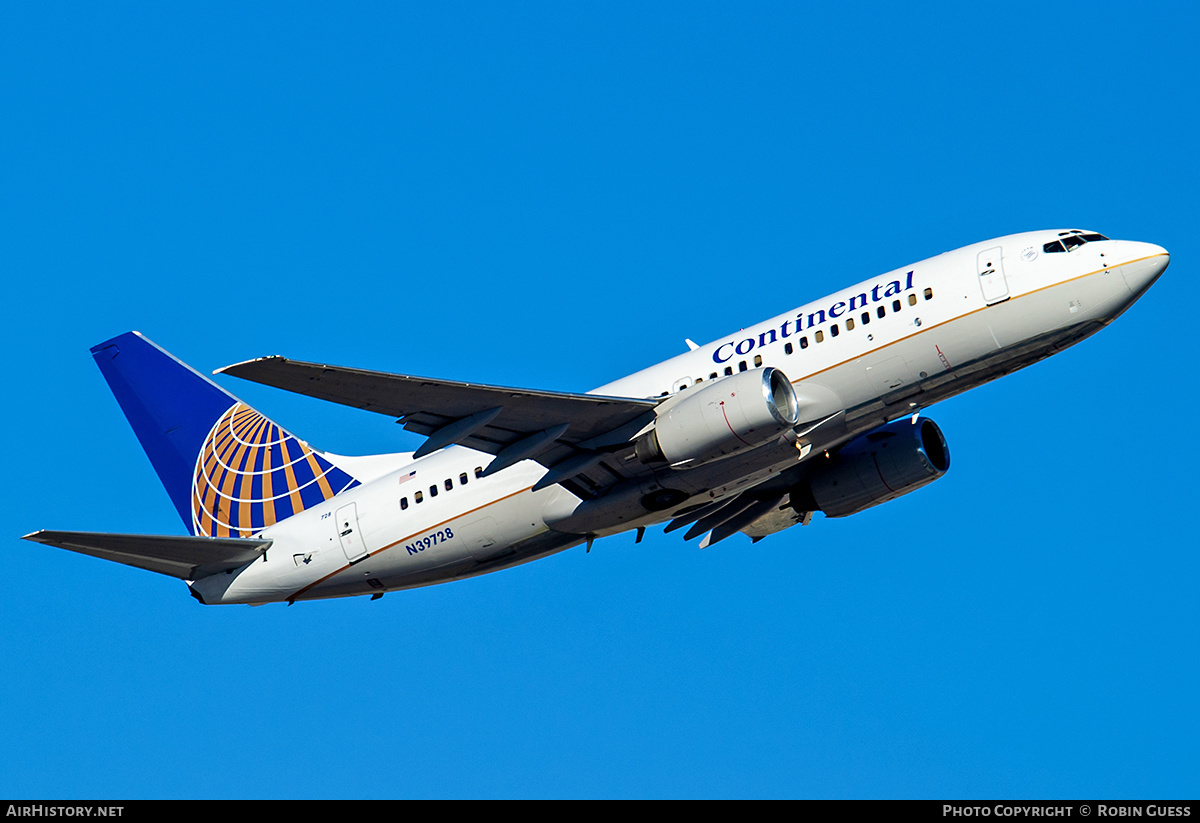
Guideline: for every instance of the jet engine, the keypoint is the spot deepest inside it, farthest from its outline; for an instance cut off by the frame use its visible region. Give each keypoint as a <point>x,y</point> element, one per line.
<point>879,466</point>
<point>730,415</point>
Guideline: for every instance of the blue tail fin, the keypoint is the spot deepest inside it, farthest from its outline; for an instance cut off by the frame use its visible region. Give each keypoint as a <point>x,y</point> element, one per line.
<point>229,471</point>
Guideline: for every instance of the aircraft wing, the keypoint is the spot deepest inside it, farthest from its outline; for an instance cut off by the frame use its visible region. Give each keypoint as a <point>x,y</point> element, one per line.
<point>188,558</point>
<point>572,434</point>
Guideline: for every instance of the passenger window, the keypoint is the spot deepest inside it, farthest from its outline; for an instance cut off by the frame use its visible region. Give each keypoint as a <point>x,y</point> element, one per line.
<point>712,376</point>
<point>742,365</point>
<point>433,491</point>
<point>819,336</point>
<point>462,479</point>
<point>757,360</point>
<point>418,497</point>
<point>849,324</point>
<point>866,317</point>
<point>479,471</point>
<point>928,294</point>
<point>834,329</point>
<point>804,342</point>
<point>880,312</point>
<point>403,503</point>
<point>449,484</point>
<point>728,370</point>
<point>787,348</point>
<point>895,305</point>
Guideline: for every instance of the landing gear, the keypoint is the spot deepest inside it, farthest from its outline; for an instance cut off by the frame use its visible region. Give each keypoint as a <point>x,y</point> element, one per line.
<point>662,499</point>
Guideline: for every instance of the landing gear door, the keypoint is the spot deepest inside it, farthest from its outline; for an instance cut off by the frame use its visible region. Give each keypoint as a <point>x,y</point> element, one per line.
<point>348,532</point>
<point>990,267</point>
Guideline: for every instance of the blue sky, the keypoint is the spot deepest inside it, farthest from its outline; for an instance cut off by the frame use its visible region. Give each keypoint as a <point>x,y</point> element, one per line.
<point>552,195</point>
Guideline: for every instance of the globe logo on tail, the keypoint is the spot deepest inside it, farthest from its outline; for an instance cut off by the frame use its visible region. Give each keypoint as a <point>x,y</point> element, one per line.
<point>250,474</point>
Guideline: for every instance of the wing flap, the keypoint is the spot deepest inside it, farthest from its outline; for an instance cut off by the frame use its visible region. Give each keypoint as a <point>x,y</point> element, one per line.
<point>188,558</point>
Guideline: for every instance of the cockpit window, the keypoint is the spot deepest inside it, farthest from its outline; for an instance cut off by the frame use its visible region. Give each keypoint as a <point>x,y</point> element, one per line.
<point>1070,240</point>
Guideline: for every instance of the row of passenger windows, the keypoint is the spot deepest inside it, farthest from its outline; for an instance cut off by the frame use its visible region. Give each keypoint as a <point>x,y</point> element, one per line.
<point>1070,240</point>
<point>819,336</point>
<point>448,484</point>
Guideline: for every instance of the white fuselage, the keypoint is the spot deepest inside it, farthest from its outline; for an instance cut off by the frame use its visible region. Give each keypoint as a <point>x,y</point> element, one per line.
<point>882,349</point>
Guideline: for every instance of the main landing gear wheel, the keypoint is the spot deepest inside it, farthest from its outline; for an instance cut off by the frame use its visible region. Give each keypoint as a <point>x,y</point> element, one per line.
<point>663,499</point>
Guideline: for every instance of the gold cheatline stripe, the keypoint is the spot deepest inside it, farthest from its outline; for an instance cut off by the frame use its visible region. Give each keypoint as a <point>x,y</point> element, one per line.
<point>968,314</point>
<point>409,537</point>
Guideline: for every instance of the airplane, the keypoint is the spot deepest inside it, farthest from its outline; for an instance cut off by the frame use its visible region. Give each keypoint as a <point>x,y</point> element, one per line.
<point>817,409</point>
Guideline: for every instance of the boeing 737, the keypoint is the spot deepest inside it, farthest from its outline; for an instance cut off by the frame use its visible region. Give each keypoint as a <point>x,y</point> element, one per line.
<point>818,409</point>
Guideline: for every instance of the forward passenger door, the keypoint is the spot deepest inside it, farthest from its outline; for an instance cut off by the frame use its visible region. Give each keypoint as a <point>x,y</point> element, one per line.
<point>990,267</point>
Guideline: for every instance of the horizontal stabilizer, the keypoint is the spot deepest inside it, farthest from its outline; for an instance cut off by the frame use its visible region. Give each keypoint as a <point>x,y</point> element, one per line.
<point>188,558</point>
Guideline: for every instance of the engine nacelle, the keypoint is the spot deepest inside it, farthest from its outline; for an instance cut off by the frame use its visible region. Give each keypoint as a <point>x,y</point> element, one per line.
<point>879,466</point>
<point>730,415</point>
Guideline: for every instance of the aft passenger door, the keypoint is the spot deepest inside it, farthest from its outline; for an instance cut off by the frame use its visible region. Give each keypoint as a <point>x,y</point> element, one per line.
<point>348,532</point>
<point>990,267</point>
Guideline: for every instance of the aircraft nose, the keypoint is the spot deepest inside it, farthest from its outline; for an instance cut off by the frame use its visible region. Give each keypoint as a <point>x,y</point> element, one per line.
<point>1146,263</point>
